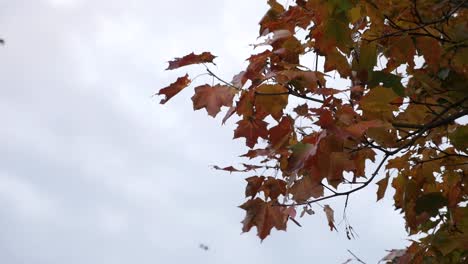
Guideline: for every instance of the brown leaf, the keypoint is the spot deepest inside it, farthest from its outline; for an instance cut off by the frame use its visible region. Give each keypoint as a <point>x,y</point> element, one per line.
<point>229,168</point>
<point>273,188</point>
<point>174,88</point>
<point>192,58</point>
<point>382,187</point>
<point>330,216</point>
<point>305,188</point>
<point>264,216</point>
<point>253,185</point>
<point>213,97</point>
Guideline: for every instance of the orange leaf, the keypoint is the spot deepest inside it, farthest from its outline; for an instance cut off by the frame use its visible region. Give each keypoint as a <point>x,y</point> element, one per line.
<point>358,129</point>
<point>192,58</point>
<point>174,88</point>
<point>213,97</point>
<point>271,99</point>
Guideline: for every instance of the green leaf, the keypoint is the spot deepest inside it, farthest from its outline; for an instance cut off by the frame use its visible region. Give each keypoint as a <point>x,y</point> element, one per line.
<point>430,203</point>
<point>459,138</point>
<point>388,80</point>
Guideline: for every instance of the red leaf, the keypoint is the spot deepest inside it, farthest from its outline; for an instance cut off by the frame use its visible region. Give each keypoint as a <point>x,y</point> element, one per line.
<point>251,129</point>
<point>213,97</point>
<point>174,88</point>
<point>280,134</point>
<point>192,58</point>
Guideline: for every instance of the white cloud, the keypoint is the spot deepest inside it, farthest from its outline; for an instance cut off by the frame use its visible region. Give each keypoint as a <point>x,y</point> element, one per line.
<point>118,178</point>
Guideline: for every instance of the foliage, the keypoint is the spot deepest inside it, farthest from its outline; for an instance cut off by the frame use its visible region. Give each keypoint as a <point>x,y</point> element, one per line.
<point>406,62</point>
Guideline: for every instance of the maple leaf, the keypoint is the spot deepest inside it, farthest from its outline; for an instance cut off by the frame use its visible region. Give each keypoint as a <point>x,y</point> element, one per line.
<point>330,216</point>
<point>382,187</point>
<point>302,151</point>
<point>174,88</point>
<point>264,216</point>
<point>305,188</point>
<point>251,129</point>
<point>271,98</point>
<point>280,134</point>
<point>189,59</point>
<point>213,97</point>
<point>273,188</point>
<point>229,168</point>
<point>411,114</point>
<point>358,129</point>
<point>253,185</point>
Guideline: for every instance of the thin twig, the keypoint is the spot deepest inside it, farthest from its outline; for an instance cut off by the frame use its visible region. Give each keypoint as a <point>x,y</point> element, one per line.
<point>358,259</point>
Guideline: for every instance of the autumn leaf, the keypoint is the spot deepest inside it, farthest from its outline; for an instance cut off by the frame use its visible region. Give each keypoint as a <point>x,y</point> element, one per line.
<point>336,61</point>
<point>174,88</point>
<point>253,185</point>
<point>378,101</point>
<point>382,187</point>
<point>302,151</point>
<point>251,129</point>
<point>192,58</point>
<point>411,110</point>
<point>279,135</point>
<point>271,98</point>
<point>264,216</point>
<point>213,97</point>
<point>358,129</point>
<point>306,188</point>
<point>330,216</point>
<point>228,168</point>
<point>273,188</point>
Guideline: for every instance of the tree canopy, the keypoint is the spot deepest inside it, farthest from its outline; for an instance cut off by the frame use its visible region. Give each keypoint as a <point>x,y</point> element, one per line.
<point>398,122</point>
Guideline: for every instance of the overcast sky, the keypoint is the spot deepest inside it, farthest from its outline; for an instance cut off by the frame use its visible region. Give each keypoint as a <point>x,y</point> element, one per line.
<point>93,170</point>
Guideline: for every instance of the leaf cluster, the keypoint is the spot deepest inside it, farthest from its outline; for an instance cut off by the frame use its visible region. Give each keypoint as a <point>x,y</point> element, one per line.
<point>406,64</point>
